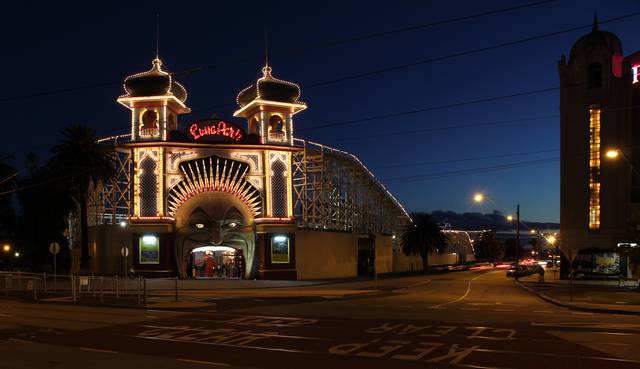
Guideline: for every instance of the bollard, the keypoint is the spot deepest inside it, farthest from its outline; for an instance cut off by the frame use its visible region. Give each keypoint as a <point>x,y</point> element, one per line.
<point>101,289</point>
<point>176,288</point>
<point>144,291</point>
<point>44,281</point>
<point>138,293</point>
<point>92,284</point>
<point>117,290</point>
<point>35,289</point>
<point>72,280</point>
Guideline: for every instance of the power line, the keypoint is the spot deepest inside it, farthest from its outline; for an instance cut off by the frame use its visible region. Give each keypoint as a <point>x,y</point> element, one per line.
<point>463,53</point>
<point>465,159</point>
<point>438,175</point>
<point>188,71</point>
<point>430,108</point>
<point>445,128</point>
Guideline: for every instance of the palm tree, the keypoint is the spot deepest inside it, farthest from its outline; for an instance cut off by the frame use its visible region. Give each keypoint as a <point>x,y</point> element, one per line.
<point>80,160</point>
<point>423,237</point>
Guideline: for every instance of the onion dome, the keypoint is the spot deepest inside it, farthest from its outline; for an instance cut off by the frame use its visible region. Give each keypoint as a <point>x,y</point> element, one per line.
<point>154,82</point>
<point>269,88</point>
<point>596,39</point>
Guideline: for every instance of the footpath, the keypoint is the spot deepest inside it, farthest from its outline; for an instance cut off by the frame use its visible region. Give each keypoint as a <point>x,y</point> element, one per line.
<point>611,296</point>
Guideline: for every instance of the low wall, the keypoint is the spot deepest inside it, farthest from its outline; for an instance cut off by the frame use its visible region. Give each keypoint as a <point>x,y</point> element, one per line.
<point>321,255</point>
<point>384,254</point>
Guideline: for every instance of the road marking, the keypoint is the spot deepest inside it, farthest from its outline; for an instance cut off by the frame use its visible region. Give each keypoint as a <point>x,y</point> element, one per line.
<point>503,310</point>
<point>543,311</point>
<point>580,313</point>
<point>469,309</point>
<point>463,296</point>
<point>203,362</point>
<point>98,350</point>
<point>18,340</point>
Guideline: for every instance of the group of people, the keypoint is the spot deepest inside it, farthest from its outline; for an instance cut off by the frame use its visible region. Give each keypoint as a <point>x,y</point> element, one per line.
<point>212,267</point>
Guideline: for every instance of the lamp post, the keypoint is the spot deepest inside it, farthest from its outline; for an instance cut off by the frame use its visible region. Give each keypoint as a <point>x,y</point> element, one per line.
<point>614,154</point>
<point>479,198</point>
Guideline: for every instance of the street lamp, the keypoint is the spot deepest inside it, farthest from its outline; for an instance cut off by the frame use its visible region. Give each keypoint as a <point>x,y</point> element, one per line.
<point>16,254</point>
<point>479,197</point>
<point>6,248</point>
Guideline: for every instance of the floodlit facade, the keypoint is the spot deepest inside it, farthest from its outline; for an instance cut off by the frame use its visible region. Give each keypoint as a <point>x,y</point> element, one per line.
<point>599,138</point>
<point>211,198</point>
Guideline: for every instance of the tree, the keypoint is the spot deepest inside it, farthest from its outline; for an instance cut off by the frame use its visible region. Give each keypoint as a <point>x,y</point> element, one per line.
<point>81,161</point>
<point>423,237</point>
<point>488,248</point>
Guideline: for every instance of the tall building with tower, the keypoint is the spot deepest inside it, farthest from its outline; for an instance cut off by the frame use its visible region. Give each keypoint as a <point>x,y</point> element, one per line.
<point>600,153</point>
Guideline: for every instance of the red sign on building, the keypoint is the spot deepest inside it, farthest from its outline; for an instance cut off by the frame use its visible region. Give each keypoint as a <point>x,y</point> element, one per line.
<point>215,130</point>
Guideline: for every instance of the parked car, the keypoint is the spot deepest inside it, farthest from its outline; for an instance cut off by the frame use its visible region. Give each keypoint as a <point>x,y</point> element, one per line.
<point>523,271</point>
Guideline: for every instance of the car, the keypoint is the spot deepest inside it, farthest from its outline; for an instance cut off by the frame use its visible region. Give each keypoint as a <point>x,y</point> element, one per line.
<point>523,271</point>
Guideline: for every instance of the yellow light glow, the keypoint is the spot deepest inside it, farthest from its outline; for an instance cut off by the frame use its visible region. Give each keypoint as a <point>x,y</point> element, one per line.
<point>533,231</point>
<point>510,218</point>
<point>551,240</point>
<point>478,197</point>
<point>594,167</point>
<point>6,248</point>
<point>612,154</point>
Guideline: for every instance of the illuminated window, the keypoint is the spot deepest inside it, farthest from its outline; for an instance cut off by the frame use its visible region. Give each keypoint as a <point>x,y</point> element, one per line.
<point>149,247</point>
<point>280,249</point>
<point>594,167</point>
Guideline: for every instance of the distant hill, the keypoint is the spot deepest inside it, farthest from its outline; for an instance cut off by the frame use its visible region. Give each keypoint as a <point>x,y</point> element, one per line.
<point>478,221</point>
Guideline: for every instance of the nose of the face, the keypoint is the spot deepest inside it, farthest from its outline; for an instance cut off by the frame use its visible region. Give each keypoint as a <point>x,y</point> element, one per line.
<point>216,234</point>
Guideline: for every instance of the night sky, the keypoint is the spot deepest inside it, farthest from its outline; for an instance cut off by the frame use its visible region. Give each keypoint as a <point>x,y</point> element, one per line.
<point>423,158</point>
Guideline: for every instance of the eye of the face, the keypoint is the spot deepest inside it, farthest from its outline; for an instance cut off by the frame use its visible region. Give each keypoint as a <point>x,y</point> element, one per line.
<point>199,225</point>
<point>232,225</point>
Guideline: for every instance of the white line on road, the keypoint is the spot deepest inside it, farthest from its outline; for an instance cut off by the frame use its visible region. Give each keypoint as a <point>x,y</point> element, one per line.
<point>203,362</point>
<point>98,350</point>
<point>18,340</point>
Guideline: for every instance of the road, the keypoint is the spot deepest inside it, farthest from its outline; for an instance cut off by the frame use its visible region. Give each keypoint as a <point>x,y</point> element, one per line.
<point>474,319</point>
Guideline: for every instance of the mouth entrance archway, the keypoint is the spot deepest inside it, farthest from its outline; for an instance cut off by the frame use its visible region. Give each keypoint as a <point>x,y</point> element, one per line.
<point>222,262</point>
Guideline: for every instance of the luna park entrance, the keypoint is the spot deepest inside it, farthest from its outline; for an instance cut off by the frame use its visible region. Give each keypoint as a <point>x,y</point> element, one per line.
<point>216,262</point>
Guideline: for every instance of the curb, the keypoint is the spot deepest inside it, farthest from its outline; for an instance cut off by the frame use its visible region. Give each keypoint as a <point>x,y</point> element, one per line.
<point>576,307</point>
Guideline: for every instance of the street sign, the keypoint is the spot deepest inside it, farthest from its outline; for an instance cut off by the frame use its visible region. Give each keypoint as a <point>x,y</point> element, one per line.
<point>54,248</point>
<point>124,251</point>
<point>569,253</point>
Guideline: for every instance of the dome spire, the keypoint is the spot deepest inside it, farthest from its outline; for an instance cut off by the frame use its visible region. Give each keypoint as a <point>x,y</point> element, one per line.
<point>266,48</point>
<point>594,28</point>
<point>157,35</point>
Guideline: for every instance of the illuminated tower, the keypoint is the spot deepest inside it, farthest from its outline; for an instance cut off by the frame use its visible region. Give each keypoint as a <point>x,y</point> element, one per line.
<point>155,100</point>
<point>269,106</point>
<point>595,96</point>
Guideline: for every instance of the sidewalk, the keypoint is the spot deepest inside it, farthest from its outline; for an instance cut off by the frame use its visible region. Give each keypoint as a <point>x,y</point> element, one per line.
<point>590,296</point>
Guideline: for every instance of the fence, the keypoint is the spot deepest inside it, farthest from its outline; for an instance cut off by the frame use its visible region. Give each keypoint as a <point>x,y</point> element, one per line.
<point>96,289</point>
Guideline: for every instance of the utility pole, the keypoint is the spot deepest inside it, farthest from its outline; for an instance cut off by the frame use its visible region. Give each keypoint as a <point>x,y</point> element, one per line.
<point>517,239</point>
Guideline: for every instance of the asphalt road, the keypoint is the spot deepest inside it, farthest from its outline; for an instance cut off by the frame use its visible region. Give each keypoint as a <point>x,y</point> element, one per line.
<point>466,319</point>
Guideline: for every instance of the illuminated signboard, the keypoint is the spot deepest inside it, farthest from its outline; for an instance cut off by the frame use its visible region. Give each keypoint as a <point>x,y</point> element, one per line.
<point>634,73</point>
<point>215,130</point>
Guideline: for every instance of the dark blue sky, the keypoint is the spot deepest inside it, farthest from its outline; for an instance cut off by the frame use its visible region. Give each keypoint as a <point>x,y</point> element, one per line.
<point>50,46</point>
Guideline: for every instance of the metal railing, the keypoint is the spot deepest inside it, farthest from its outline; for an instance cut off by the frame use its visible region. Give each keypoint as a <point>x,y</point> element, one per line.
<point>96,289</point>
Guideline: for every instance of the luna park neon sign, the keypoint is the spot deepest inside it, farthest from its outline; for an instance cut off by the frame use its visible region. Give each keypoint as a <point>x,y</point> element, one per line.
<point>215,130</point>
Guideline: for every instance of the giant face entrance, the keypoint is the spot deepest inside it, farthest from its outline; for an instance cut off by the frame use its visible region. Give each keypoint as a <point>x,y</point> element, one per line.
<point>216,262</point>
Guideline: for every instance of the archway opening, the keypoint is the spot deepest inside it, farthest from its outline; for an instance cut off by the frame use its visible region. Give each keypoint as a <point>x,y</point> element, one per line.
<point>222,262</point>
